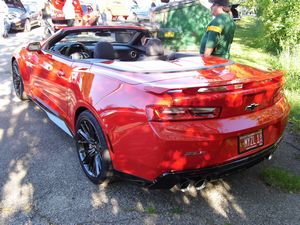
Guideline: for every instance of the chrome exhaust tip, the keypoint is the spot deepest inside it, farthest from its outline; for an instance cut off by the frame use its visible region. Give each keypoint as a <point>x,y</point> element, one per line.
<point>200,185</point>
<point>184,186</point>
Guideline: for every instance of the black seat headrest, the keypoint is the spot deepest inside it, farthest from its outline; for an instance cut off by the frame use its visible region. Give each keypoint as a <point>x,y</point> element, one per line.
<point>154,47</point>
<point>104,50</point>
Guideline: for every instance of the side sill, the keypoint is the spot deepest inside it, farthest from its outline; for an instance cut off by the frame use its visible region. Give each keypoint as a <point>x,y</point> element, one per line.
<point>53,116</point>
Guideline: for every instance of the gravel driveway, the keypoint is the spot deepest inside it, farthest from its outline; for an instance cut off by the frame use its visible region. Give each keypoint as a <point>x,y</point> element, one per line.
<point>41,181</point>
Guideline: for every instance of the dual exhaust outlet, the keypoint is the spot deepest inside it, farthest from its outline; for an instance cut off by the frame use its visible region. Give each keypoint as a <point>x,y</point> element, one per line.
<point>186,184</point>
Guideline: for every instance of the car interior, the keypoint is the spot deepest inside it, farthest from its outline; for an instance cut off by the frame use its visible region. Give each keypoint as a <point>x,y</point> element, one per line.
<point>108,45</point>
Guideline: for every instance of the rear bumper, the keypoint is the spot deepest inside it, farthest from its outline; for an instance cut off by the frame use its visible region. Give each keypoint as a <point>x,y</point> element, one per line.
<point>160,148</point>
<point>168,180</point>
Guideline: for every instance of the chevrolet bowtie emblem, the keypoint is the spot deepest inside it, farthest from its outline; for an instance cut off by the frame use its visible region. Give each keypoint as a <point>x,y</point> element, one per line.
<point>251,107</point>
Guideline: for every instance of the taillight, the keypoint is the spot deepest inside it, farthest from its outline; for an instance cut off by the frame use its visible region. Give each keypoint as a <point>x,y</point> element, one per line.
<point>221,88</point>
<point>278,95</point>
<point>166,113</point>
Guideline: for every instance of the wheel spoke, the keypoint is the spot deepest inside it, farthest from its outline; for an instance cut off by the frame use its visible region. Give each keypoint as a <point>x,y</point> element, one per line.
<point>85,127</point>
<point>86,159</point>
<point>16,70</point>
<point>17,78</point>
<point>98,147</point>
<point>86,137</point>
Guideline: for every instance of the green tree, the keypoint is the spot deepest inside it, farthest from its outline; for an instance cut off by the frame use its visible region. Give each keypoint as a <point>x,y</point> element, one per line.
<point>282,23</point>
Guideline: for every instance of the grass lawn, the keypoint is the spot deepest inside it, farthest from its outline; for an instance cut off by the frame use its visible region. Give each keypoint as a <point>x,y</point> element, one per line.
<point>248,48</point>
<point>282,179</point>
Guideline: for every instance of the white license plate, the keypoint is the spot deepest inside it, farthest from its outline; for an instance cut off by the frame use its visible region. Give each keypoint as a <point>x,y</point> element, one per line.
<point>251,141</point>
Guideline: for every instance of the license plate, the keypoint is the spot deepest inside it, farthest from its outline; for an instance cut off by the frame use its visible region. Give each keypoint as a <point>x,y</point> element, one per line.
<point>169,34</point>
<point>250,141</point>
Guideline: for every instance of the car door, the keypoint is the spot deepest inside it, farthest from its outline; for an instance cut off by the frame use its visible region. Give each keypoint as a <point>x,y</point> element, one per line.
<point>51,83</point>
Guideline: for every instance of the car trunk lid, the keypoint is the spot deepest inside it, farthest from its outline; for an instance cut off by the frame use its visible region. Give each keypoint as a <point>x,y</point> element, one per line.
<point>232,88</point>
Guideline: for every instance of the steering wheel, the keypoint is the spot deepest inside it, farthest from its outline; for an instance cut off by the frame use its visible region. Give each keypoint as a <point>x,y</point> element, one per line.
<point>77,47</point>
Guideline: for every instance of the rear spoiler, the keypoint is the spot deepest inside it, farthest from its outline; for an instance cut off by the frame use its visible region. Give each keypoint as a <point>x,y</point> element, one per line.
<point>126,68</point>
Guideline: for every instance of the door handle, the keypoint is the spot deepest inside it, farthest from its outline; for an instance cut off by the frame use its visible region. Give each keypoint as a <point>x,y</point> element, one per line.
<point>61,73</point>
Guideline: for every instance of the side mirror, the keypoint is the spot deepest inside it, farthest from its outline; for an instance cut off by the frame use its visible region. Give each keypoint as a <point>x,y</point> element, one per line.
<point>34,46</point>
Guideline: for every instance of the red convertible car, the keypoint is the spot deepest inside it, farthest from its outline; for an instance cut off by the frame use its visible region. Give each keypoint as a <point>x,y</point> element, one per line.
<point>156,119</point>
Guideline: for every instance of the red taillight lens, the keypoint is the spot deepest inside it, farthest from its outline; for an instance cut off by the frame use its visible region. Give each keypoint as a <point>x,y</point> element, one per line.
<point>165,113</point>
<point>278,95</point>
<point>221,88</point>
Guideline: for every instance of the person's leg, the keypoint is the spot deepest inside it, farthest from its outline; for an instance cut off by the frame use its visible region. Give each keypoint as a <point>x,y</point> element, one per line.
<point>2,25</point>
<point>47,31</point>
<point>6,29</point>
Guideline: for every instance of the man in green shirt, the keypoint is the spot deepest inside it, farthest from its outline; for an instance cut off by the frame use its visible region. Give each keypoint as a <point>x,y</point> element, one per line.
<point>220,31</point>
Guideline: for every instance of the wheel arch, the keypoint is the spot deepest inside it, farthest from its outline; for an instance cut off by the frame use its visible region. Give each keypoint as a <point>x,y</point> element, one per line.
<point>78,111</point>
<point>81,109</point>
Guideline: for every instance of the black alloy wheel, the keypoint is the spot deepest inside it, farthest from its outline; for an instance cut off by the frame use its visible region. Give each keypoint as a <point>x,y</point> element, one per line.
<point>92,148</point>
<point>18,82</point>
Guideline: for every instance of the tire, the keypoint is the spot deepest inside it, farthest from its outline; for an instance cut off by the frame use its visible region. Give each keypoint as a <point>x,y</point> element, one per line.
<point>18,82</point>
<point>27,26</point>
<point>92,149</point>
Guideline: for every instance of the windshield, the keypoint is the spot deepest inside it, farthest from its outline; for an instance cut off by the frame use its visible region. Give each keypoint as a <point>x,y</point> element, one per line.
<point>17,11</point>
<point>14,4</point>
<point>108,36</point>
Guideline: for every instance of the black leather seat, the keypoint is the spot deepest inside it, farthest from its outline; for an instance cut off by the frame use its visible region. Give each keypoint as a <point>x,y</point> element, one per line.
<point>104,50</point>
<point>154,50</point>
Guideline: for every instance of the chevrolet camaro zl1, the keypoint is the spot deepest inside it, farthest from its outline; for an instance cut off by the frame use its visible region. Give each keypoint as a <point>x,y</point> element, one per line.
<point>154,118</point>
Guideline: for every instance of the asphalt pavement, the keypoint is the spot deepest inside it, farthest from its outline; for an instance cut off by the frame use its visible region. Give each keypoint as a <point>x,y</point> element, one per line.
<point>41,181</point>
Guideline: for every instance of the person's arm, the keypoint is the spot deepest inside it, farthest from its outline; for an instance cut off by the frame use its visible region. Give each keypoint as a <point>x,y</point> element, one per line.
<point>208,51</point>
<point>212,41</point>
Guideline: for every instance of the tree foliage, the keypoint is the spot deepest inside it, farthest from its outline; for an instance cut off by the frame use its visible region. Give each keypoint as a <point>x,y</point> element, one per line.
<point>281,21</point>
